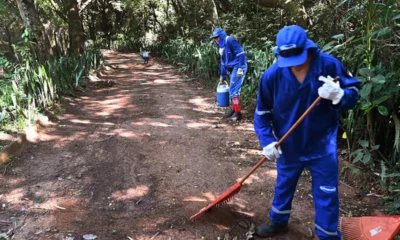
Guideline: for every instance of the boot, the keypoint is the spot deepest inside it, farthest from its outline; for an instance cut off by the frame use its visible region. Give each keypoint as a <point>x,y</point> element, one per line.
<point>271,229</point>
<point>235,117</point>
<point>236,106</point>
<point>229,113</point>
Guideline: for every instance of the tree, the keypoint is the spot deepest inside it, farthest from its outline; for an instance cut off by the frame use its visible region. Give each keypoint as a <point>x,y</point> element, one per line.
<point>32,22</point>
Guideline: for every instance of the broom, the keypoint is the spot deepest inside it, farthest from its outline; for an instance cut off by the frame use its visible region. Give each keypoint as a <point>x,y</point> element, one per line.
<point>228,194</point>
<point>369,228</point>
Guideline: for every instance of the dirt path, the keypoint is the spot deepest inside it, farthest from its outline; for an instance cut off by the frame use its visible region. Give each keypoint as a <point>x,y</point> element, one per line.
<point>137,159</point>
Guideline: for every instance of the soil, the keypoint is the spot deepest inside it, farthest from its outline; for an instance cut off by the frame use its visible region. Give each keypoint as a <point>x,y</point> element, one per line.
<point>137,152</point>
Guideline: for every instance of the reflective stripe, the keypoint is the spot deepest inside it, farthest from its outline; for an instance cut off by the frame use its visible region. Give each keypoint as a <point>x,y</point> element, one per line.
<point>354,88</point>
<point>326,232</point>
<point>281,212</point>
<point>262,112</point>
<point>240,53</point>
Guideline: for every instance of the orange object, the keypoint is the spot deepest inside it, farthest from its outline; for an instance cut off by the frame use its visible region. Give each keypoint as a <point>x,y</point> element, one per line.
<point>228,194</point>
<point>369,228</point>
<point>150,58</point>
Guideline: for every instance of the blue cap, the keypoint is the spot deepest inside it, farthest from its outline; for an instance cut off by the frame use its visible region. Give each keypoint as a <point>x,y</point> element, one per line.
<point>292,45</point>
<point>217,32</point>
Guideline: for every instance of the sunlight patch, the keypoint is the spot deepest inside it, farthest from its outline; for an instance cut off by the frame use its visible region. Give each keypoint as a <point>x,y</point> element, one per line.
<point>80,121</point>
<point>154,124</point>
<point>60,203</point>
<point>198,125</point>
<point>174,117</point>
<point>272,173</point>
<point>222,227</point>
<point>15,196</point>
<point>194,199</point>
<point>130,193</point>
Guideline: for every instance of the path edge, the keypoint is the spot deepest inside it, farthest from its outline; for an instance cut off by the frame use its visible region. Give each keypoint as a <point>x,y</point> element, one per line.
<point>30,135</point>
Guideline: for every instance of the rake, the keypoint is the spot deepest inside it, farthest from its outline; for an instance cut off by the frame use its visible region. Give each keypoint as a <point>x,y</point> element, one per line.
<point>369,228</point>
<point>228,194</point>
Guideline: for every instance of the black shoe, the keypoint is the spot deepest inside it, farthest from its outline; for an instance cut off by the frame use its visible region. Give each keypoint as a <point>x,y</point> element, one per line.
<point>229,113</point>
<point>270,229</point>
<point>235,117</point>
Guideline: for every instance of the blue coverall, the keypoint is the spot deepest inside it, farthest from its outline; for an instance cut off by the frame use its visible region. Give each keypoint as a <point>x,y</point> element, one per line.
<point>313,144</point>
<point>233,58</point>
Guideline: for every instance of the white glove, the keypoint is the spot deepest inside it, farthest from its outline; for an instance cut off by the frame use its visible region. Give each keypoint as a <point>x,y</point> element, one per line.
<point>271,152</point>
<point>239,73</point>
<point>330,90</point>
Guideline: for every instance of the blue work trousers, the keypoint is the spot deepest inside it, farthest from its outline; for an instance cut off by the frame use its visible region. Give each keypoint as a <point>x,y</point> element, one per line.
<point>236,82</point>
<point>324,172</point>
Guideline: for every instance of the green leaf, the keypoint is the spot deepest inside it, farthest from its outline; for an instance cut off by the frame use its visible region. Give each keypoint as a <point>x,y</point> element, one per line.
<point>366,105</point>
<point>375,147</point>
<point>379,79</point>
<point>393,175</point>
<point>365,72</point>
<point>338,36</point>
<point>380,100</point>
<point>396,17</point>
<point>384,31</point>
<point>366,90</point>
<point>340,4</point>
<point>364,143</point>
<point>357,152</point>
<point>383,110</point>
<point>344,135</point>
<point>367,157</point>
<point>358,157</point>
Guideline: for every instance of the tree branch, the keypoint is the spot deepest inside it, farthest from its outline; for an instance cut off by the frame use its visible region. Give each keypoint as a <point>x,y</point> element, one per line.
<point>57,10</point>
<point>294,9</point>
<point>83,6</point>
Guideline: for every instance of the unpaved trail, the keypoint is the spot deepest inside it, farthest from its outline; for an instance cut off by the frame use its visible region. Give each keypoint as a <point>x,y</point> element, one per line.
<point>137,159</point>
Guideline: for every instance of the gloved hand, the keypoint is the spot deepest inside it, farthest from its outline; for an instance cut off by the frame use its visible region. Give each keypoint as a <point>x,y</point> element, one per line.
<point>239,73</point>
<point>221,80</point>
<point>271,152</point>
<point>330,90</point>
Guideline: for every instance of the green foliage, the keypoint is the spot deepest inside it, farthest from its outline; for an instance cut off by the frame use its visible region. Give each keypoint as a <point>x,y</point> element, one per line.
<point>372,128</point>
<point>203,61</point>
<point>30,86</point>
<point>363,35</point>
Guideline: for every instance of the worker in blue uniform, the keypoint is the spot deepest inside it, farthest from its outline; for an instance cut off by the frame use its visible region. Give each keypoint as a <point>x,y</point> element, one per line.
<point>234,63</point>
<point>286,89</point>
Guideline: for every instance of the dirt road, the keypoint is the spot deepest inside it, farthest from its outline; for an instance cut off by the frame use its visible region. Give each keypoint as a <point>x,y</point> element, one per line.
<point>135,159</point>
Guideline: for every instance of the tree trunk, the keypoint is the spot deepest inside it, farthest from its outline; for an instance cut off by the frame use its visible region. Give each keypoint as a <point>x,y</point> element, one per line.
<point>294,9</point>
<point>75,28</point>
<point>35,27</point>
<point>214,10</point>
<point>224,6</point>
<point>8,32</point>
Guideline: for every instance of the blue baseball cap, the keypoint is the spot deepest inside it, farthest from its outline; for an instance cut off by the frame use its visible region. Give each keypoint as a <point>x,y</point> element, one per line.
<point>292,46</point>
<point>217,32</point>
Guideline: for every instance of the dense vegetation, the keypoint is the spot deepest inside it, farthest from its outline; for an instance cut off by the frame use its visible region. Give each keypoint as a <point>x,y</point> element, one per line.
<point>50,59</point>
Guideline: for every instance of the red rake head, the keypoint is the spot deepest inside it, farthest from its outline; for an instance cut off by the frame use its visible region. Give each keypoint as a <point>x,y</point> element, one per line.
<point>222,199</point>
<point>369,228</point>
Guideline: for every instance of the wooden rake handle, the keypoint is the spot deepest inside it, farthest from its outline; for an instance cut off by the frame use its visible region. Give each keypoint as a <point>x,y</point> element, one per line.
<point>295,125</point>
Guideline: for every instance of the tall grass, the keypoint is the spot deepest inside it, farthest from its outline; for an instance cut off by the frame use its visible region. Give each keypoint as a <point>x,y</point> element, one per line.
<point>30,87</point>
<point>203,61</point>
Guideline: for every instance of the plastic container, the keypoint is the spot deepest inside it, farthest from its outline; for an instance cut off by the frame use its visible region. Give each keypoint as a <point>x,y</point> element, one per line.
<point>223,95</point>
